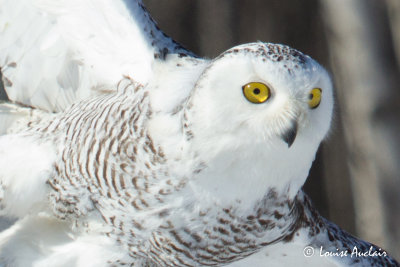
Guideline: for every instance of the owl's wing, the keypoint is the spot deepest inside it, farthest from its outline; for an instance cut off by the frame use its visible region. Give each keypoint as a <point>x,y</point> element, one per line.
<point>56,52</point>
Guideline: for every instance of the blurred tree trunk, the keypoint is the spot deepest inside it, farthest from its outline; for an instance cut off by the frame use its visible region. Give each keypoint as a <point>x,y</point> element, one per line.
<point>367,79</point>
<point>393,8</point>
<point>215,26</point>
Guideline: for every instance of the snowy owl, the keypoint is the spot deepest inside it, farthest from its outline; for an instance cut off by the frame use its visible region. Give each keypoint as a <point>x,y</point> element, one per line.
<point>183,162</point>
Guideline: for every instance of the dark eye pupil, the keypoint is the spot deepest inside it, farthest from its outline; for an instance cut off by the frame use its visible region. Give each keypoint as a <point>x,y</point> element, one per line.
<point>256,91</point>
<point>310,96</point>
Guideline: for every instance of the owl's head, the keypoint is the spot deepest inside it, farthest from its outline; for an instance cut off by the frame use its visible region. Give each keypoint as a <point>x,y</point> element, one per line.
<point>260,111</point>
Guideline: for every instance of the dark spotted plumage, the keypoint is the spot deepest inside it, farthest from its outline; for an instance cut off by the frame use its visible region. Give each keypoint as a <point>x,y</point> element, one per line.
<point>272,52</point>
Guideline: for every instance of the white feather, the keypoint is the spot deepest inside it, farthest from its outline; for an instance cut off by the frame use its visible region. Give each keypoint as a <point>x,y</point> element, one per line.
<point>44,241</point>
<point>54,53</point>
<point>26,165</point>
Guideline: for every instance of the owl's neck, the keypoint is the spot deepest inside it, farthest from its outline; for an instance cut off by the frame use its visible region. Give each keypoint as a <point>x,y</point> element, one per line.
<point>246,174</point>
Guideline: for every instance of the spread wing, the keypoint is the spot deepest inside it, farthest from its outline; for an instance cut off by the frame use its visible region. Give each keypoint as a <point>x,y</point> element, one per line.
<point>56,52</point>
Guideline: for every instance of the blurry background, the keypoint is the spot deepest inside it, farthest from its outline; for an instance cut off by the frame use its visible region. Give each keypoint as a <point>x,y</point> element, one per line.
<point>355,180</point>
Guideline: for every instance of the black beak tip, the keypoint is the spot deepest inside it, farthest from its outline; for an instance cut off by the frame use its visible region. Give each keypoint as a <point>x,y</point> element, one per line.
<point>290,135</point>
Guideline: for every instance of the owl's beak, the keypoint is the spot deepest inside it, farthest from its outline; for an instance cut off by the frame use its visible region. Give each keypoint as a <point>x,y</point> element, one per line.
<point>290,134</point>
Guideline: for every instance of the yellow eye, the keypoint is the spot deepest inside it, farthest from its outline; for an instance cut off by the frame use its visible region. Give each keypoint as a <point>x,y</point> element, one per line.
<point>256,93</point>
<point>314,98</point>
